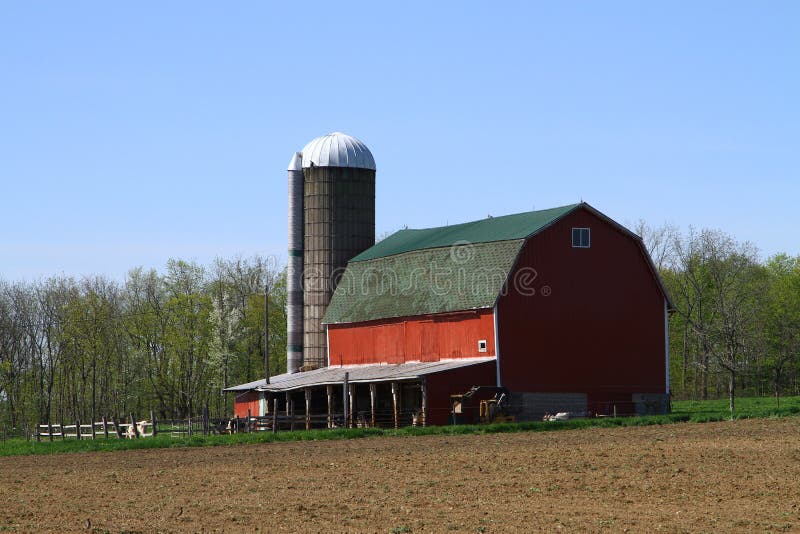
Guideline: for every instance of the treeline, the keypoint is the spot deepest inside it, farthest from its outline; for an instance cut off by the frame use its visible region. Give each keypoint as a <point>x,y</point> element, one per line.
<point>82,348</point>
<point>736,325</point>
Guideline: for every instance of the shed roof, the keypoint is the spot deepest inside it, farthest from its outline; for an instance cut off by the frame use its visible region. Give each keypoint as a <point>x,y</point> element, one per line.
<point>357,374</point>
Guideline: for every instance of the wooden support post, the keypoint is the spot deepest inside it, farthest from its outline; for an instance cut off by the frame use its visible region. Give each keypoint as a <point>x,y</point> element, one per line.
<point>153,423</point>
<point>247,424</point>
<point>135,426</point>
<point>287,403</point>
<point>394,404</point>
<point>205,420</point>
<point>423,388</point>
<point>78,429</point>
<point>330,406</point>
<point>308,408</point>
<point>291,413</point>
<point>63,437</point>
<point>372,388</point>
<point>345,400</point>
<point>274,415</point>
<point>94,433</point>
<point>105,427</point>
<point>352,397</point>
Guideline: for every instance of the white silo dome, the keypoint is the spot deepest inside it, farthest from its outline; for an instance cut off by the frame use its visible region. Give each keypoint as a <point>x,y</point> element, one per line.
<point>337,150</point>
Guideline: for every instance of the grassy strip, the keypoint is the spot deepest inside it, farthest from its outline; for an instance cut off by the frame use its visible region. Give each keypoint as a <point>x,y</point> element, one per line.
<point>746,407</point>
<point>684,411</point>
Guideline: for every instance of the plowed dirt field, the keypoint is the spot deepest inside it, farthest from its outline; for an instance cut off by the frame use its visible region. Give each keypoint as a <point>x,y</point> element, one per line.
<point>731,476</point>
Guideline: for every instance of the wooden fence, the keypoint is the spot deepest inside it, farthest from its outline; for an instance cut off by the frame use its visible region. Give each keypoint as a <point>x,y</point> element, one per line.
<point>106,428</point>
<point>112,428</point>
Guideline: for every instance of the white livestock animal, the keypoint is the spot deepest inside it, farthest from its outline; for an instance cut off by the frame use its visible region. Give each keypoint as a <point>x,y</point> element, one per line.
<point>560,416</point>
<point>131,433</point>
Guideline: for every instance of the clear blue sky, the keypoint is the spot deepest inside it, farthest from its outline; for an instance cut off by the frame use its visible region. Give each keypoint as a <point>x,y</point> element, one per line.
<point>133,133</point>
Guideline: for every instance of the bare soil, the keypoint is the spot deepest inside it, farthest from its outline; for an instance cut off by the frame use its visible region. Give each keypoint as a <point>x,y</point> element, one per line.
<point>731,476</point>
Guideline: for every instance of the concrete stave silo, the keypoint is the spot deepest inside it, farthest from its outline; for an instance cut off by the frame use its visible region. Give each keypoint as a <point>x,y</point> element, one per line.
<point>338,217</point>
<point>294,267</point>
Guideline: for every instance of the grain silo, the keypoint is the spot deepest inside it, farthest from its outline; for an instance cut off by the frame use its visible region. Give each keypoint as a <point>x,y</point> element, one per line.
<point>338,217</point>
<point>294,267</point>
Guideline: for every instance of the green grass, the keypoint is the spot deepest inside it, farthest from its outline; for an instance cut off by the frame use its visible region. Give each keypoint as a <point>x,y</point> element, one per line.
<point>683,411</point>
<point>745,407</point>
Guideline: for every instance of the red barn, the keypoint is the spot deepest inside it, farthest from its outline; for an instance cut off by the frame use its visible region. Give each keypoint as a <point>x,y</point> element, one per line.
<point>562,307</point>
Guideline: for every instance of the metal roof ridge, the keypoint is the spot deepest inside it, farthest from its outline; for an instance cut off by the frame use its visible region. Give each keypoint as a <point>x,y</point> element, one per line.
<point>441,233</point>
<point>474,221</point>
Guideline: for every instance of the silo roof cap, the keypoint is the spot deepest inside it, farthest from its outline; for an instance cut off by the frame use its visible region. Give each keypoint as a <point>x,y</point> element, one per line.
<point>337,150</point>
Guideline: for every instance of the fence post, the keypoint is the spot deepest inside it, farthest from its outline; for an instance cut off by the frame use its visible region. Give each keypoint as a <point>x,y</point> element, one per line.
<point>153,421</point>
<point>274,415</point>
<point>50,429</point>
<point>117,429</point>
<point>205,420</point>
<point>247,424</point>
<point>78,429</point>
<point>135,427</point>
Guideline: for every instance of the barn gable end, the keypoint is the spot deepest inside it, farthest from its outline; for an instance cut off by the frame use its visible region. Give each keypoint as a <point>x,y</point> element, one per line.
<point>584,321</point>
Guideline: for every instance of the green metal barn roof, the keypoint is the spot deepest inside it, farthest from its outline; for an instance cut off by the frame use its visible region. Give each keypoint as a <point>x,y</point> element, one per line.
<point>435,270</point>
<point>504,228</point>
<point>420,282</point>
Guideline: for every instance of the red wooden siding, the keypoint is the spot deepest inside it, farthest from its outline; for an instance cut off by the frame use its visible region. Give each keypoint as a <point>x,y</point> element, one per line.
<point>425,339</point>
<point>245,401</point>
<point>457,381</point>
<point>600,330</point>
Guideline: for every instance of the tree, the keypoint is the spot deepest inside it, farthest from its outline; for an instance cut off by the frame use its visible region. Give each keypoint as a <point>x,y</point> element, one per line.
<point>721,283</point>
<point>782,316</point>
<point>659,242</point>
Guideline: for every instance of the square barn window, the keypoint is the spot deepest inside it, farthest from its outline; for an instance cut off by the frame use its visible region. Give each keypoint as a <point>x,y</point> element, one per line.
<point>580,238</point>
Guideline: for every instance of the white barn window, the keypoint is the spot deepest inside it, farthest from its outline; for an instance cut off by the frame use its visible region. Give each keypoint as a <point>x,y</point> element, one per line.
<point>581,238</point>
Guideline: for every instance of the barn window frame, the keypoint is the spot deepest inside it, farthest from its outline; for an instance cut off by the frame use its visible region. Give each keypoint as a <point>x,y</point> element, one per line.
<point>581,238</point>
